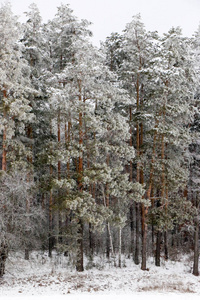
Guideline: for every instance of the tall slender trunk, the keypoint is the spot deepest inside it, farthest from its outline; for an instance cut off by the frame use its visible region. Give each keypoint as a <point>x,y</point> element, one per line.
<point>136,258</point>
<point>3,246</point>
<point>152,225</point>
<point>138,180</point>
<point>108,232</point>
<point>158,240</point>
<point>59,140</point>
<point>158,236</point>
<point>196,242</point>
<point>138,128</point>
<point>91,235</point>
<point>144,232</point>
<point>3,257</point>
<point>91,240</point>
<point>68,141</point>
<point>158,244</point>
<point>166,252</point>
<point>109,243</point>
<point>110,240</point>
<point>145,209</point>
<point>139,141</point>
<point>144,238</point>
<point>163,170</point>
<point>91,191</point>
<point>120,247</point>
<point>131,227</point>
<point>79,266</point>
<point>80,159</point>
<point>4,161</point>
<point>137,234</point>
<point>4,153</point>
<point>60,233</point>
<point>29,179</point>
<point>131,179</point>
<point>79,263</point>
<point>27,250</point>
<point>51,239</point>
<point>30,136</point>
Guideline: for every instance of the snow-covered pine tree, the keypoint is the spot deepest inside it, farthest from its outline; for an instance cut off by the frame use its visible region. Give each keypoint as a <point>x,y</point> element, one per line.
<point>62,33</point>
<point>15,114</point>
<point>193,186</point>
<point>36,54</point>
<point>15,89</point>
<point>174,84</point>
<point>138,50</point>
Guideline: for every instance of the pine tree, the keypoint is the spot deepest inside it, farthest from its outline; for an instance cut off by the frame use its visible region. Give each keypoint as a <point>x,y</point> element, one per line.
<point>138,49</point>
<point>16,114</point>
<point>36,54</point>
<point>15,88</point>
<point>194,151</point>
<point>174,88</point>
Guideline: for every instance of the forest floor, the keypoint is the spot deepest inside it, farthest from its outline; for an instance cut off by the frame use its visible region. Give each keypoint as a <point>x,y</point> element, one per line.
<point>42,277</point>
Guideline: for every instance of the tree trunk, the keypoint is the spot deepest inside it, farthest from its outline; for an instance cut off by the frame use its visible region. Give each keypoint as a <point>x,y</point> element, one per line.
<point>26,255</point>
<point>68,141</point>
<point>158,245</point>
<point>51,239</point>
<point>196,251</point>
<point>166,252</point>
<point>166,245</point>
<point>144,238</point>
<point>111,248</point>
<point>131,228</point>
<point>59,224</point>
<point>196,245</point>
<point>29,179</point>
<point>136,257</point>
<point>3,257</point>
<point>79,266</point>
<point>107,242</point>
<point>144,210</point>
<point>131,179</point>
<point>59,140</point>
<point>79,263</point>
<point>120,247</point>
<point>91,240</point>
<point>138,174</point>
<point>152,224</point>
<point>108,235</point>
<point>4,164</point>
<point>4,153</point>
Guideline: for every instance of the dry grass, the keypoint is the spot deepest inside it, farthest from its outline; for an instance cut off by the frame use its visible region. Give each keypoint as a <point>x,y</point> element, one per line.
<point>168,287</point>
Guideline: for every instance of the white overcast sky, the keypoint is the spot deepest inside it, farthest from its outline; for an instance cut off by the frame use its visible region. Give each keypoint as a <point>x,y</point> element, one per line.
<point>112,15</point>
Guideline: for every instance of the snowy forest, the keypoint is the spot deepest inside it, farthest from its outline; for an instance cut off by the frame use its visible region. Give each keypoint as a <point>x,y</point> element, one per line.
<point>99,147</point>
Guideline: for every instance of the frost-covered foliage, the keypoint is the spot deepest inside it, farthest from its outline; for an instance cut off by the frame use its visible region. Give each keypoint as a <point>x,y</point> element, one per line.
<point>22,219</point>
<point>15,86</point>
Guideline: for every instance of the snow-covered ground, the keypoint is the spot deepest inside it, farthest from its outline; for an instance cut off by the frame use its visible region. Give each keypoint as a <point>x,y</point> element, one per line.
<point>44,278</point>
